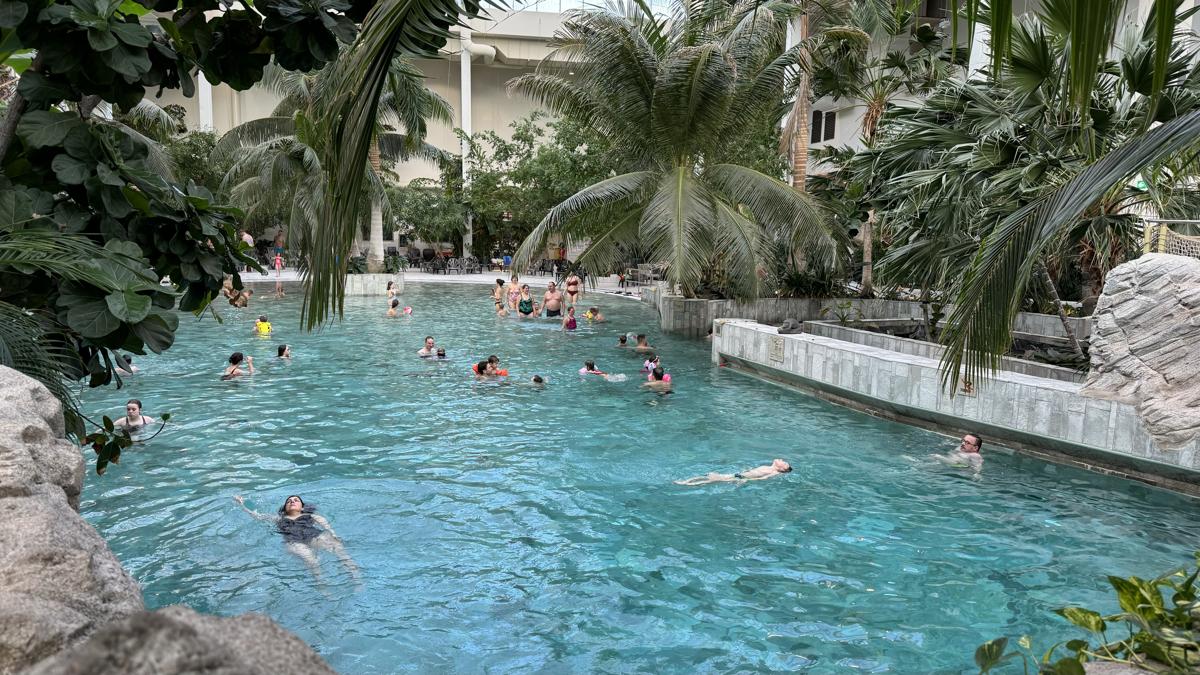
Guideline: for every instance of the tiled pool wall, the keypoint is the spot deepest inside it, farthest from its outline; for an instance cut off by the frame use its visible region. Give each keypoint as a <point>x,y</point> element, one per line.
<point>1040,416</point>
<point>933,350</point>
<point>693,318</point>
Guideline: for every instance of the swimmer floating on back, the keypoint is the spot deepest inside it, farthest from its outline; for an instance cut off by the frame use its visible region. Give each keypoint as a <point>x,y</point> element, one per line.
<point>777,467</point>
<point>304,532</point>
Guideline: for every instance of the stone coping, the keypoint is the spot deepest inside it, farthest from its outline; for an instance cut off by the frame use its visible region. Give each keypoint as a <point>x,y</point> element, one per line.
<point>1044,417</point>
<point>932,350</point>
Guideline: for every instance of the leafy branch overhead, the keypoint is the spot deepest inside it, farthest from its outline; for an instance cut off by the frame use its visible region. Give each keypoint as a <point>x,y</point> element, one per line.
<point>90,221</point>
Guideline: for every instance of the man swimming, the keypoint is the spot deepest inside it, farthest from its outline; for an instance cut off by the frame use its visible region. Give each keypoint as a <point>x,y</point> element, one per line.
<point>966,455</point>
<point>777,467</point>
<point>658,382</point>
<point>429,349</point>
<point>642,345</point>
<point>552,301</point>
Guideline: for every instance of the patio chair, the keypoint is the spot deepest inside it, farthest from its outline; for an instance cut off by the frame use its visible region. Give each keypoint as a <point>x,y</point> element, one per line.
<point>454,265</point>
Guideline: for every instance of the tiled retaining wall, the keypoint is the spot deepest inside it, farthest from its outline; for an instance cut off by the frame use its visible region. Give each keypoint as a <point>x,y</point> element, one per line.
<point>1047,417</point>
<point>693,318</point>
<point>934,351</point>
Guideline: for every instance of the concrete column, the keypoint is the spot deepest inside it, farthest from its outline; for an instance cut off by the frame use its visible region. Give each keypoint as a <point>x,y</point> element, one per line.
<point>204,98</point>
<point>464,120</point>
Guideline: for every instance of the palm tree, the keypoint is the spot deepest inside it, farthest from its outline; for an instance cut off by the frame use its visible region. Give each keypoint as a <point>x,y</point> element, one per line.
<point>971,175</point>
<point>677,96</point>
<point>277,173</point>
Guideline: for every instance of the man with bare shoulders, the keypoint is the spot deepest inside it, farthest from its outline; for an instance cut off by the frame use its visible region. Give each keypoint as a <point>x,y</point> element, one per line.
<point>777,467</point>
<point>966,455</point>
<point>552,301</point>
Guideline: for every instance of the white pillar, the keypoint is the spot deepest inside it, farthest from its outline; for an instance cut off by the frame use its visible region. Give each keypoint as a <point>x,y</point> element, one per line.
<point>981,57</point>
<point>464,115</point>
<point>204,98</point>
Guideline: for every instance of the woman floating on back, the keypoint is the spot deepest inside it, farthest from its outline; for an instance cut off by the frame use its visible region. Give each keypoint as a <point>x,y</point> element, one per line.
<point>304,532</point>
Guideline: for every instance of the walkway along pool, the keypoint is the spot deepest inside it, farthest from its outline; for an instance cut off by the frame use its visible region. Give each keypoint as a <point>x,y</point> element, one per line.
<point>505,528</point>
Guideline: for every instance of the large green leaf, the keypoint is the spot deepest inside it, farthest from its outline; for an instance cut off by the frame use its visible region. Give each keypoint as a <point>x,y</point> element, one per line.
<point>128,306</point>
<point>71,171</point>
<point>12,13</point>
<point>40,128</point>
<point>92,319</point>
<point>157,330</point>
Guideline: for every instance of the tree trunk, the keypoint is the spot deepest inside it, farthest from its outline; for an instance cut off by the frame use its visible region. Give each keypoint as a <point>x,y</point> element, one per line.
<point>801,110</point>
<point>16,108</point>
<point>1044,274</point>
<point>929,336</point>
<point>375,251</point>
<point>868,271</point>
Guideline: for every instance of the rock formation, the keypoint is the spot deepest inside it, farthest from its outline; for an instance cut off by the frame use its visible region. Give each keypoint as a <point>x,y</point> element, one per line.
<point>1145,345</point>
<point>60,584</point>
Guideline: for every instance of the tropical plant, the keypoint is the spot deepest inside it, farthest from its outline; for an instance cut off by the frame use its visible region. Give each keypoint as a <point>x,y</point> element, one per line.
<point>957,176</point>
<point>1163,633</point>
<point>677,97</point>
<point>425,209</point>
<point>277,175</point>
<point>84,193</point>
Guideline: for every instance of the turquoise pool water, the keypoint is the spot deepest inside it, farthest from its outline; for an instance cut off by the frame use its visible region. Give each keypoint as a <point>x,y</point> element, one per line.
<point>507,529</point>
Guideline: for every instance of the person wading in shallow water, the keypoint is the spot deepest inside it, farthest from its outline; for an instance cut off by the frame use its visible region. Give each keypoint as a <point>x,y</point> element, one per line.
<point>304,533</point>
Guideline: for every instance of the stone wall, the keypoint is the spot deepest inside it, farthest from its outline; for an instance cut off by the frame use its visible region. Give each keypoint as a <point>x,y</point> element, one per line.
<point>693,318</point>
<point>1043,416</point>
<point>61,588</point>
<point>933,350</point>
<point>1146,349</point>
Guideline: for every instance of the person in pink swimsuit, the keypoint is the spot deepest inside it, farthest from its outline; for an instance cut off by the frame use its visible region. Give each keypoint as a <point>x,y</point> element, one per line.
<point>569,322</point>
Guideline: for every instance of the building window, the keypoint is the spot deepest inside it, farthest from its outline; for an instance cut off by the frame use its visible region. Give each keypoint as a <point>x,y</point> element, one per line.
<point>823,126</point>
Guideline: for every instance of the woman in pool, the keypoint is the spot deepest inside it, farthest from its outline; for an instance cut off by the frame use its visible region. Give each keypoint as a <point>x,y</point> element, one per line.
<point>574,294</point>
<point>285,352</point>
<point>498,292</point>
<point>391,293</point>
<point>134,420</point>
<point>568,322</point>
<point>394,310</point>
<point>513,291</point>
<point>525,302</point>
<point>234,369</point>
<point>304,532</point>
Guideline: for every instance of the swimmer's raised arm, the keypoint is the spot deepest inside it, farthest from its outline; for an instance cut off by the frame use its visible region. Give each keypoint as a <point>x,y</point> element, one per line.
<point>253,514</point>
<point>250,364</point>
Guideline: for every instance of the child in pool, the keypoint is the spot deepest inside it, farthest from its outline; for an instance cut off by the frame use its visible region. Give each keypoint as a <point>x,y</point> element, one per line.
<point>589,368</point>
<point>262,326</point>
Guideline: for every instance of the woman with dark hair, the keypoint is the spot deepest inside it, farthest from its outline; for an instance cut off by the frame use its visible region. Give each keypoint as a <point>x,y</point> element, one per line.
<point>285,352</point>
<point>234,368</point>
<point>391,291</point>
<point>304,532</point>
<point>134,420</point>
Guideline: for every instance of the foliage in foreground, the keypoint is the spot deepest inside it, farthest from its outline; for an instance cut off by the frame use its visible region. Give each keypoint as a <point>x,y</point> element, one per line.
<point>1162,633</point>
<point>89,222</point>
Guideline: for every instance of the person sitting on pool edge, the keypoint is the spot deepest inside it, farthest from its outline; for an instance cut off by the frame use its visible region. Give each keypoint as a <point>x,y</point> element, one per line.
<point>966,455</point>
<point>777,467</point>
<point>304,532</point>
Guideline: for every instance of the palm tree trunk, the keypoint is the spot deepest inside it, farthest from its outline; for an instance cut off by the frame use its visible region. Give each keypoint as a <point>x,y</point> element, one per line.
<point>1044,274</point>
<point>868,271</point>
<point>375,251</point>
<point>801,110</point>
